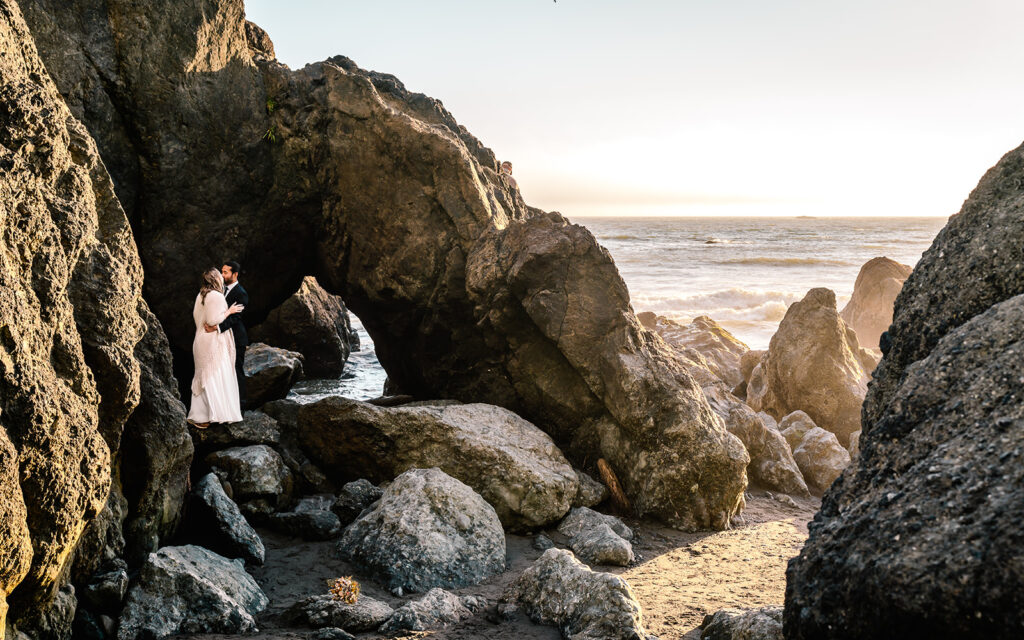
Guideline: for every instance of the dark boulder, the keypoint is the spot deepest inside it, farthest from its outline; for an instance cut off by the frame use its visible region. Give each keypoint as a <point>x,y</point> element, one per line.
<point>923,537</point>
<point>270,373</point>
<point>313,323</point>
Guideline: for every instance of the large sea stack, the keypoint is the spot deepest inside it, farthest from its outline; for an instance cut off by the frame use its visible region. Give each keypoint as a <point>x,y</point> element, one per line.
<point>162,137</point>
<point>921,538</point>
<point>342,174</point>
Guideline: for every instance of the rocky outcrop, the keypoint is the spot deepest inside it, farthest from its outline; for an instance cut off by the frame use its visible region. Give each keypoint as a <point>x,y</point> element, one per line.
<point>922,538</point>
<point>313,323</point>
<point>75,340</point>
<point>917,538</point>
<point>270,373</point>
<point>582,519</point>
<point>719,349</point>
<point>380,194</point>
<point>814,364</point>
<point>156,450</point>
<point>771,460</point>
<point>428,530</point>
<point>511,463</point>
<point>437,609</point>
<point>190,590</point>
<point>869,311</point>
<point>559,590</point>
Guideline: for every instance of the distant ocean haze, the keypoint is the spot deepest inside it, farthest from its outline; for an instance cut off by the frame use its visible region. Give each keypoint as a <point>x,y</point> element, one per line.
<point>745,272</point>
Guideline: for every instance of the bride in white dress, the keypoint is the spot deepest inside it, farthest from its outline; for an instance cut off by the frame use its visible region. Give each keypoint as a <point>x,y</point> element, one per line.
<point>214,387</point>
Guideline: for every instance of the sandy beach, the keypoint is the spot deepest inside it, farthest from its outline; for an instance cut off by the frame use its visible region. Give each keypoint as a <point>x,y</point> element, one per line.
<point>678,577</point>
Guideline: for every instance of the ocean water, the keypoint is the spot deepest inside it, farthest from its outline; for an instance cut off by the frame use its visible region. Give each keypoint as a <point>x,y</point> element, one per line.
<point>742,272</point>
<point>745,272</point>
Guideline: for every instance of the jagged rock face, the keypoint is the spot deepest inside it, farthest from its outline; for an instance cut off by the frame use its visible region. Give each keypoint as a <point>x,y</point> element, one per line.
<point>923,537</point>
<point>543,275</point>
<point>70,323</point>
<point>814,364</point>
<point>514,465</point>
<point>384,198</point>
<point>869,311</point>
<point>771,459</point>
<point>156,450</point>
<point>314,323</point>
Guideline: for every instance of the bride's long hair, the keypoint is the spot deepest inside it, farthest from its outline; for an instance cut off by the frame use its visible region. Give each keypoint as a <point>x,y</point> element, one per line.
<point>212,281</point>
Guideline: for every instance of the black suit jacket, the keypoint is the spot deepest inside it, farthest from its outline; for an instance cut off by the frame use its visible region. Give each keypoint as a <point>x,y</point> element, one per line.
<point>234,322</point>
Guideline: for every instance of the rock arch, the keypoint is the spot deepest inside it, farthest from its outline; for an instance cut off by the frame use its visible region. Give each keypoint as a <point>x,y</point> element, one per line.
<point>333,171</point>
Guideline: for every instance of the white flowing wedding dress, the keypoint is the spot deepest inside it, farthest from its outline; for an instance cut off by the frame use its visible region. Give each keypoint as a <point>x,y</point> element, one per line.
<point>214,387</point>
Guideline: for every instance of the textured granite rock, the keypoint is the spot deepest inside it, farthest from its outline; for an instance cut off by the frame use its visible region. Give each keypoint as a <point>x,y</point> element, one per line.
<point>437,609</point>
<point>771,459</point>
<point>216,523</point>
<point>353,498</point>
<point>256,471</point>
<point>601,545</point>
<point>427,530</point>
<point>720,350</point>
<point>582,519</point>
<point>794,427</point>
<point>325,611</point>
<point>922,538</point>
<point>190,590</point>
<point>585,605</point>
<point>256,427</point>
<point>821,458</point>
<point>869,311</point>
<point>743,624</point>
<point>511,463</point>
<point>70,323</point>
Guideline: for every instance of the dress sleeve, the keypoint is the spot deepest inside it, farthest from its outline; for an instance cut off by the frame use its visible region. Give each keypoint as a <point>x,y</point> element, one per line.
<point>216,308</point>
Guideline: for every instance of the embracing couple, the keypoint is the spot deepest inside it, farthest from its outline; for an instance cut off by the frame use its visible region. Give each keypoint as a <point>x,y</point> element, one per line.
<point>218,387</point>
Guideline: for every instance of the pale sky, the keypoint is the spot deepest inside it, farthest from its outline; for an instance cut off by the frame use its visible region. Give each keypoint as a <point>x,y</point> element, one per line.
<point>709,107</point>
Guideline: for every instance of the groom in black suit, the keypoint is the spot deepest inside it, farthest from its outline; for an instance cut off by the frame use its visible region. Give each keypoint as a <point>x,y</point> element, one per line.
<point>235,294</point>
